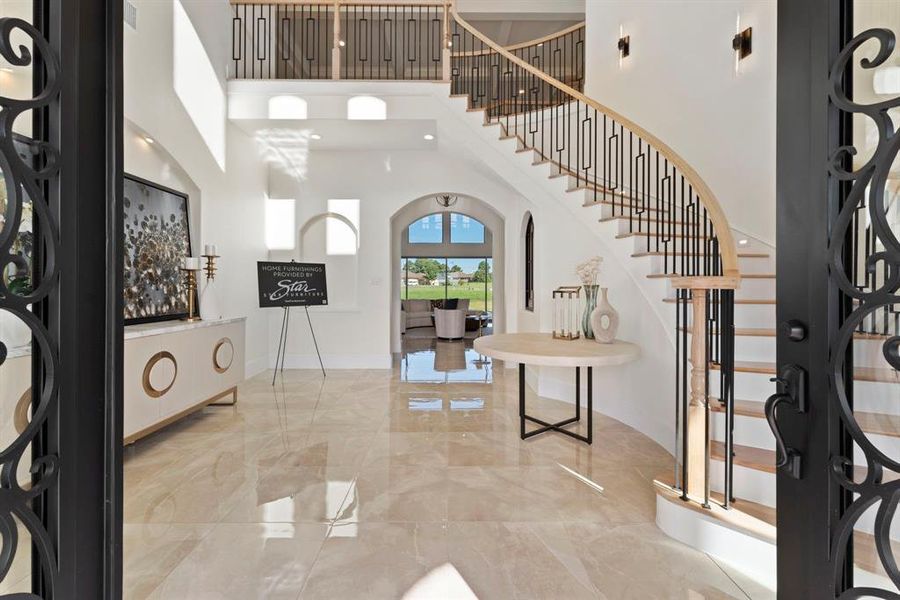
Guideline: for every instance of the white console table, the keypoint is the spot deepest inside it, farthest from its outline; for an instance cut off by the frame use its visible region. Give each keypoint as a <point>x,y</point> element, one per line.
<point>172,369</point>
<point>175,368</point>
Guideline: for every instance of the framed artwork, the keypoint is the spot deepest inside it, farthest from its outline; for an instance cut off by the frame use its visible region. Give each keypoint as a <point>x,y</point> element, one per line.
<point>157,238</point>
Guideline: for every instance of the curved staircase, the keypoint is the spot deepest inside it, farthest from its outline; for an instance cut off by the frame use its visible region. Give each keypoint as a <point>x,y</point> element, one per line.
<point>731,492</point>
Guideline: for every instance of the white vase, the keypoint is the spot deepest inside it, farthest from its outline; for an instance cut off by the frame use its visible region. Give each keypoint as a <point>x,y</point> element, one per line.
<point>209,302</point>
<point>605,320</point>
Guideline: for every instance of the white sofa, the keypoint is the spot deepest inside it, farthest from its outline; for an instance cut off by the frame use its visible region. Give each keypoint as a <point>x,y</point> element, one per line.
<point>416,313</point>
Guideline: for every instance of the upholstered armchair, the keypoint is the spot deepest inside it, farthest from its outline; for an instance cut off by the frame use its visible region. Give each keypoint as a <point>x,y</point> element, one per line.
<point>450,324</point>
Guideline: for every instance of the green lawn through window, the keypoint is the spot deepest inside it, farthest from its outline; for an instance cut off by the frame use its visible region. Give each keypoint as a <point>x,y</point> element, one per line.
<point>473,291</point>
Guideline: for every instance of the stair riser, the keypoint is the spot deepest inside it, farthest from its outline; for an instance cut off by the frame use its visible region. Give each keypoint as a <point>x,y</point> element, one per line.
<point>748,431</point>
<point>643,243</point>
<point>877,397</point>
<point>749,484</point>
<point>645,222</point>
<point>658,264</point>
<point>756,289</point>
<point>749,316</point>
<point>866,353</point>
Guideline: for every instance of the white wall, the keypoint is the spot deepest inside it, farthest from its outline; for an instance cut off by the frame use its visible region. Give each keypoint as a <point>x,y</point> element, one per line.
<point>679,83</point>
<point>231,194</point>
<point>356,332</point>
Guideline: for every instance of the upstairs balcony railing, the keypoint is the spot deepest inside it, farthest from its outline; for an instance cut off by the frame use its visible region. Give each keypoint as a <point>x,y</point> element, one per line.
<point>362,40</point>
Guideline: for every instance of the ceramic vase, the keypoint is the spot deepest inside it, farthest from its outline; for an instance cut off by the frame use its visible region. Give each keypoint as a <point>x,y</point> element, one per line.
<point>605,320</point>
<point>590,296</point>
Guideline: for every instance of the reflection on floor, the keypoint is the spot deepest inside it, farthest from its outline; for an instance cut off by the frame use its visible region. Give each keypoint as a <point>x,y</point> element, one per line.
<point>364,486</point>
<point>431,360</point>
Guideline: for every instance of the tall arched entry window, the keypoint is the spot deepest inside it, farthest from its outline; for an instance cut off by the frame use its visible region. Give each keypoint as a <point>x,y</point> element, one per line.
<point>448,256</point>
<point>529,264</point>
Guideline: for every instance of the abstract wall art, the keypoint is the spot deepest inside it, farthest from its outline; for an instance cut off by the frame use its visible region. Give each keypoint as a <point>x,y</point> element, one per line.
<point>157,238</point>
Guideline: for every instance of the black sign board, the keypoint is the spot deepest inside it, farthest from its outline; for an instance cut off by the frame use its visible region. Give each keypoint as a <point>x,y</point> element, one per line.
<point>291,284</point>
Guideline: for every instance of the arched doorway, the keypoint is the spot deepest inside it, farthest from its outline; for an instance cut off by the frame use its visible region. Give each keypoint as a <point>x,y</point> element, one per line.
<point>465,240</point>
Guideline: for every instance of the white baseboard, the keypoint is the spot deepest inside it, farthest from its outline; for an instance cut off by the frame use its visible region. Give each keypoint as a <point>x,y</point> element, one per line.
<point>255,367</point>
<point>336,361</point>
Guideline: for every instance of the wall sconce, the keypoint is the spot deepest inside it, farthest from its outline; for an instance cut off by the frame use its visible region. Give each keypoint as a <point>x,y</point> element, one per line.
<point>742,44</point>
<point>624,45</point>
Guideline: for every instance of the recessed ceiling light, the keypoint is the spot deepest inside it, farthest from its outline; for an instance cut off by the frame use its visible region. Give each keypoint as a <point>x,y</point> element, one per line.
<point>521,92</point>
<point>743,242</point>
<point>316,136</point>
<point>342,43</point>
<point>429,137</point>
<point>149,140</point>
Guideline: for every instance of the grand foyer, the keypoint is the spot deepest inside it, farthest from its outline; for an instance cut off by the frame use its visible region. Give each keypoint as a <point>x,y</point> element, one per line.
<point>266,456</point>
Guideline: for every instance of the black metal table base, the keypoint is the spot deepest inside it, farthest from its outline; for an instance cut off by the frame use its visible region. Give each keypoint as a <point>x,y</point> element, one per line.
<point>559,426</point>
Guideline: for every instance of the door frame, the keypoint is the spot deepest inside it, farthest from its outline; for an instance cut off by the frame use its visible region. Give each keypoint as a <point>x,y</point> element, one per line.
<point>815,546</point>
<point>73,508</point>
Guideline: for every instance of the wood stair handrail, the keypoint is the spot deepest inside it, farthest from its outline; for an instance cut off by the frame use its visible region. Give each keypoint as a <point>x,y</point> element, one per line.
<point>521,45</point>
<point>727,247</point>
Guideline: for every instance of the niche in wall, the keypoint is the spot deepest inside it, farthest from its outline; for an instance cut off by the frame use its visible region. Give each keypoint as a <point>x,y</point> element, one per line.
<point>332,238</point>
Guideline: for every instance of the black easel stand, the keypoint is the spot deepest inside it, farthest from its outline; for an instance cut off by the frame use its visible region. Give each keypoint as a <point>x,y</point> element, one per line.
<point>282,342</point>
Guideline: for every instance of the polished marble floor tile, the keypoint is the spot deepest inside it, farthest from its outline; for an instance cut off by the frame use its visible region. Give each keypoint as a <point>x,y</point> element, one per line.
<point>366,485</point>
<point>151,553</point>
<point>383,560</point>
<point>268,561</point>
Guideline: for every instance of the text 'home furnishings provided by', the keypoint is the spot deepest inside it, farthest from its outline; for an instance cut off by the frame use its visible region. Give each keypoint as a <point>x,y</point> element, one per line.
<point>542,349</point>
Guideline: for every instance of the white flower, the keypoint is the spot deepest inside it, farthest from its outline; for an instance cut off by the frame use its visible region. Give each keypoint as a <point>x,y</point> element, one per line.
<point>589,271</point>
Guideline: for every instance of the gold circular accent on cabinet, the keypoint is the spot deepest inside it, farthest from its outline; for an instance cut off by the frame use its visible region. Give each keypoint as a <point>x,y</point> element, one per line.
<point>148,387</point>
<point>215,355</point>
<point>20,414</point>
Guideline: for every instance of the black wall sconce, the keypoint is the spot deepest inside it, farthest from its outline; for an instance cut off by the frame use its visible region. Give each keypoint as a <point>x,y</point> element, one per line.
<point>742,43</point>
<point>624,46</point>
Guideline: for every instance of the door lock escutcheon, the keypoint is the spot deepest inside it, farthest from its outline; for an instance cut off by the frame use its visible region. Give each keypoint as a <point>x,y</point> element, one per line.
<point>791,391</point>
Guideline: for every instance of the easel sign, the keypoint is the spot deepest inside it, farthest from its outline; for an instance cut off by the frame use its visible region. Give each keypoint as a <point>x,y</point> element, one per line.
<point>285,285</point>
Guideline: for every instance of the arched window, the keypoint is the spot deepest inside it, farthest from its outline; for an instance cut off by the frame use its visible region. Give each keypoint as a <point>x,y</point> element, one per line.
<point>529,264</point>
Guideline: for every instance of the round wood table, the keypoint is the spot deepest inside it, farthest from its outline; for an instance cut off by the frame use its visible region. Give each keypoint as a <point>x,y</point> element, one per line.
<point>541,349</point>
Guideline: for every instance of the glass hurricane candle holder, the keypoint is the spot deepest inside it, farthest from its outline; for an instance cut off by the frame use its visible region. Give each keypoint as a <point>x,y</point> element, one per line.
<point>567,313</point>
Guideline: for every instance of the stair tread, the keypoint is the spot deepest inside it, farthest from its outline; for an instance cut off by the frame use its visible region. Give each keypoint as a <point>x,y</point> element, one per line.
<point>874,423</point>
<point>653,233</point>
<point>873,374</point>
<point>743,276</point>
<point>758,459</point>
<point>752,518</point>
<point>736,301</point>
<point>772,332</point>
<point>739,254</point>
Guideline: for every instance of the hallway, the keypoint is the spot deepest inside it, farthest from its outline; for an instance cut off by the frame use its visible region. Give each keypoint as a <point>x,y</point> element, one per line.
<point>361,486</point>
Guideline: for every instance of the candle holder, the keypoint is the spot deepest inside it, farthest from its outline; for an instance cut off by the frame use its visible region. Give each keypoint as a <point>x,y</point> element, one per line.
<point>566,315</point>
<point>210,267</point>
<point>191,277</point>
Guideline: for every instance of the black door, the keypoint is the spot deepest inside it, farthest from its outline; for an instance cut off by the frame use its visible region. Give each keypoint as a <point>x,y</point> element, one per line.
<point>838,279</point>
<point>60,299</point>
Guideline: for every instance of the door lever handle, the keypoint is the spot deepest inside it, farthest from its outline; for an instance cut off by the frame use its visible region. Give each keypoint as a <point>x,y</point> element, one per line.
<point>792,391</point>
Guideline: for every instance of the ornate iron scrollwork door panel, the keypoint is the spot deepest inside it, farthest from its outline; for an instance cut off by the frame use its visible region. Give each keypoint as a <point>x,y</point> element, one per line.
<point>863,360</point>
